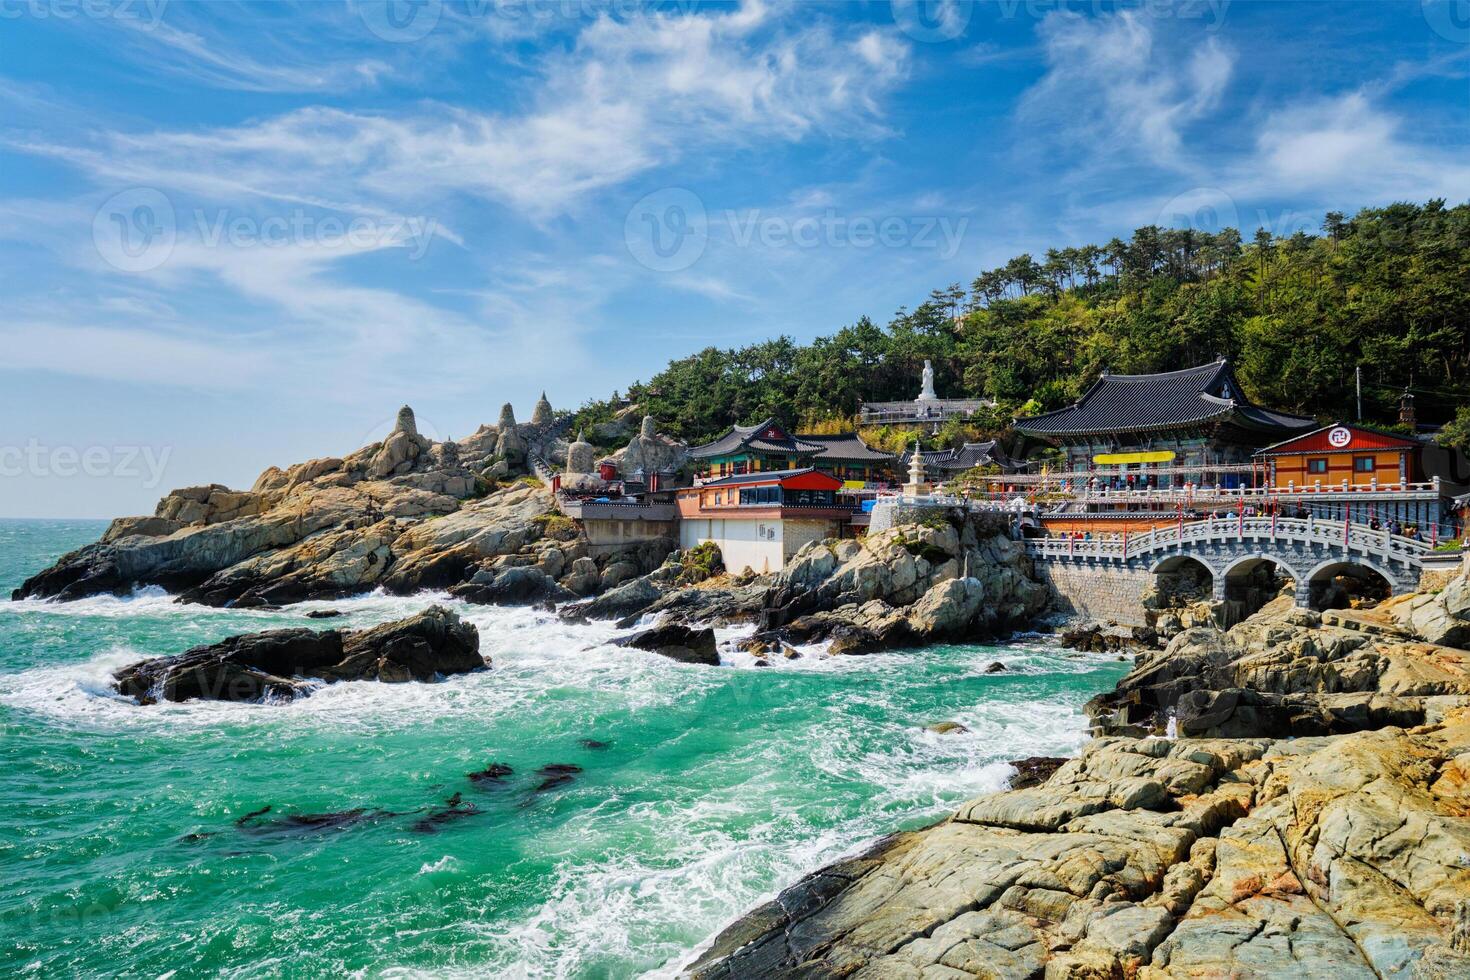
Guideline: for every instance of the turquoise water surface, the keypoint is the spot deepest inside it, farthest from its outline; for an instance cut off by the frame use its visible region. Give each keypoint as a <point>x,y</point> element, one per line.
<point>715,787</point>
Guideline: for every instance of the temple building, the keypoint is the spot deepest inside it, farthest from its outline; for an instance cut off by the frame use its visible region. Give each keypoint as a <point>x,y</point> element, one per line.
<point>851,460</point>
<point>945,464</point>
<point>1353,470</point>
<point>1194,426</point>
<point>753,449</point>
<point>760,520</point>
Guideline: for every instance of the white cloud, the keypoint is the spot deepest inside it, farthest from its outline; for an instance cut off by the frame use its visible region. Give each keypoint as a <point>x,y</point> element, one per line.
<point>1109,88</point>
<point>630,96</point>
<point>1355,148</point>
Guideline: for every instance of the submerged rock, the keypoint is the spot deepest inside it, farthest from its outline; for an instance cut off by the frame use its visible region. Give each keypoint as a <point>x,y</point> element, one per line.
<point>279,665</point>
<point>455,808</point>
<point>305,823</point>
<point>556,774</point>
<point>492,773</point>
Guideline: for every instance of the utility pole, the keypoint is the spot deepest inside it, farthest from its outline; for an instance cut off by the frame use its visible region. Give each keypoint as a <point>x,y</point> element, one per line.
<point>1358,374</point>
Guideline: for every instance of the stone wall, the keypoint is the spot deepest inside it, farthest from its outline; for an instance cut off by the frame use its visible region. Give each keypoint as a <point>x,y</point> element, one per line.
<point>1435,579</point>
<point>1101,591</point>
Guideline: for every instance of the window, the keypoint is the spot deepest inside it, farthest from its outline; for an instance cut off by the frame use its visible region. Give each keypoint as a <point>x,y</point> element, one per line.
<point>1318,465</point>
<point>1362,464</point>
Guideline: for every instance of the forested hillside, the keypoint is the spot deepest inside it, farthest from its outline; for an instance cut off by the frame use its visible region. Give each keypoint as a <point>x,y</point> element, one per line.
<point>1387,290</point>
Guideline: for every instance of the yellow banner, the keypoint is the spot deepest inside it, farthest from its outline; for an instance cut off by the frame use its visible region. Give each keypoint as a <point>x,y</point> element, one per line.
<point>1121,459</point>
<point>853,484</point>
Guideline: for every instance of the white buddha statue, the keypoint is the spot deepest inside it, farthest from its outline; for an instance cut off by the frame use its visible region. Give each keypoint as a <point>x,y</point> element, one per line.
<point>927,394</point>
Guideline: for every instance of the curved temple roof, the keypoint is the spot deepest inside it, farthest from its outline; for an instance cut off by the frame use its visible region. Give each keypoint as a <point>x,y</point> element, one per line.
<point>1173,399</point>
<point>768,437</point>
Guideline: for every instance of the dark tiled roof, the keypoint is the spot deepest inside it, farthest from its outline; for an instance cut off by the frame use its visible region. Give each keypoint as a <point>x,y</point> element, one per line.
<point>742,437</point>
<point>968,456</point>
<point>1141,402</point>
<point>758,477</point>
<point>848,446</point>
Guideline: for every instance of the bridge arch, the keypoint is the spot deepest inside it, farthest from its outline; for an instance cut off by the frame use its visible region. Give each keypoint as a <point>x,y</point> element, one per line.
<point>1251,581</point>
<point>1333,582</point>
<point>1181,579</point>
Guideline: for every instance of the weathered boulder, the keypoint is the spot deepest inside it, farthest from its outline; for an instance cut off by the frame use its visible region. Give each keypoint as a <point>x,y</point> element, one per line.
<point>1332,857</point>
<point>279,665</point>
<point>1442,618</point>
<point>677,642</point>
<point>959,575</point>
<point>1285,671</point>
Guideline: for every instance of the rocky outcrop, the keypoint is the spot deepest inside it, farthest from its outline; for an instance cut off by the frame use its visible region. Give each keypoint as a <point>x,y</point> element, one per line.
<point>1442,617</point>
<point>1153,858</point>
<point>404,514</point>
<point>685,644</point>
<point>1288,671</point>
<point>957,576</point>
<point>280,665</point>
<point>650,452</point>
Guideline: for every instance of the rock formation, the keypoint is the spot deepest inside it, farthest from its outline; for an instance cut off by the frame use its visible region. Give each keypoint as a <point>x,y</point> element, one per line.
<point>1149,858</point>
<point>650,452</point>
<point>581,457</point>
<point>280,665</point>
<point>542,413</point>
<point>403,514</point>
<point>510,446</point>
<point>1289,671</point>
<point>1317,855</point>
<point>956,577</point>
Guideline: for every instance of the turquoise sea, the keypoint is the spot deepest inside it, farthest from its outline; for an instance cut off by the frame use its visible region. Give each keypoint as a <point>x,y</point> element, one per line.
<point>714,788</point>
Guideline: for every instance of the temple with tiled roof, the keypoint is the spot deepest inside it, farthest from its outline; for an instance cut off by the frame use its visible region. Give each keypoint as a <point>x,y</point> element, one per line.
<point>946,463</point>
<point>1165,429</point>
<point>753,449</point>
<point>851,460</point>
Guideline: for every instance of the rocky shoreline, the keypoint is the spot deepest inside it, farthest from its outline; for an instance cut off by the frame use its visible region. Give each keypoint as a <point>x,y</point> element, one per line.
<point>282,665</point>
<point>1327,836</point>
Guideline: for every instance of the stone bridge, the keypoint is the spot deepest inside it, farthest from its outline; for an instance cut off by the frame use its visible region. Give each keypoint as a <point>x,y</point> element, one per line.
<point>1231,550</point>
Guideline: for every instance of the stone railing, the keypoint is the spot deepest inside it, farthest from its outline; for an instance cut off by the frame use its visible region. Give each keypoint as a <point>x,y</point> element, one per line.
<point>1348,537</point>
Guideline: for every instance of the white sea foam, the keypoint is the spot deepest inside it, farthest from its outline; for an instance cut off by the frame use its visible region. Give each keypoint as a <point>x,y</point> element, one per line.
<point>640,881</point>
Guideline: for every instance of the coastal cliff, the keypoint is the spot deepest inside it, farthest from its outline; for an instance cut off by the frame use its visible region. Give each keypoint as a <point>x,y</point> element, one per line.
<point>1257,855</point>
<point>404,514</point>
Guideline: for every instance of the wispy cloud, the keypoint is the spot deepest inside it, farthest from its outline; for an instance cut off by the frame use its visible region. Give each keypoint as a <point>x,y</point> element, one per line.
<point>1110,89</point>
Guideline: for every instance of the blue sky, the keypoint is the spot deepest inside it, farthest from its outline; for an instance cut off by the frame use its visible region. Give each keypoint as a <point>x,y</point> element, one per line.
<point>236,236</point>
